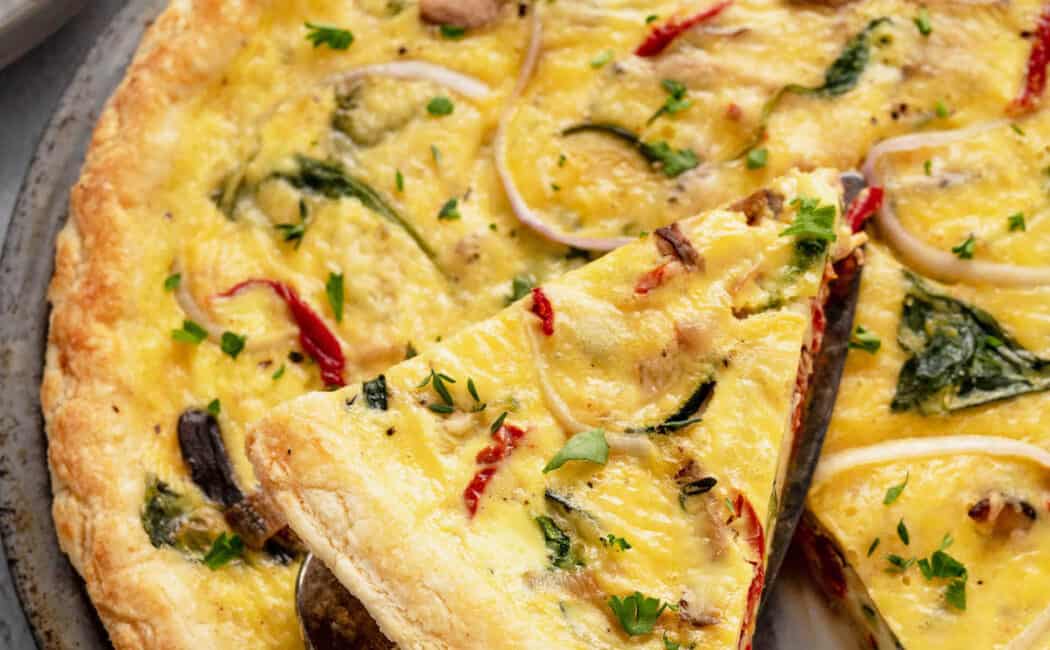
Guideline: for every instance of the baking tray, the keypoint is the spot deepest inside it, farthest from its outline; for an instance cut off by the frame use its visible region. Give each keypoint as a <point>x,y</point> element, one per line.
<point>24,23</point>
<point>52,594</point>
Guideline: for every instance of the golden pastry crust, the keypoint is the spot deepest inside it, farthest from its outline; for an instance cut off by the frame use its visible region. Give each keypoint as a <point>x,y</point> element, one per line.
<point>96,510</point>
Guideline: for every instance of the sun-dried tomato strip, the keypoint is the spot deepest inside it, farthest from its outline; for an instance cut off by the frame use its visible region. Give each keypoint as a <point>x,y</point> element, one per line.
<point>541,306</point>
<point>1035,71</point>
<point>506,439</point>
<point>651,279</point>
<point>756,539</point>
<point>317,340</point>
<point>864,207</point>
<point>662,35</point>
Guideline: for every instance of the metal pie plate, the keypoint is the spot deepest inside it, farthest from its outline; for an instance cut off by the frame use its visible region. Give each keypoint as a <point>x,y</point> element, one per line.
<point>52,594</point>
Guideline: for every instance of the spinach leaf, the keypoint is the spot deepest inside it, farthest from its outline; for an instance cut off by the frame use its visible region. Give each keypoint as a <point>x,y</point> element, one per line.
<point>844,73</point>
<point>558,543</point>
<point>960,356</point>
<point>330,180</point>
<point>683,417</point>
<point>375,393</point>
<point>672,162</point>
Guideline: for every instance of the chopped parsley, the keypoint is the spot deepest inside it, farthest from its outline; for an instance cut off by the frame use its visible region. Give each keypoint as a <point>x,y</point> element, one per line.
<point>435,153</point>
<point>941,109</point>
<point>224,549</point>
<point>863,339</point>
<point>964,251</point>
<point>520,287</point>
<point>278,373</point>
<point>619,543</point>
<point>189,333</point>
<point>874,545</point>
<point>399,181</point>
<point>440,106</point>
<point>940,565</point>
<point>902,532</point>
<point>375,393</point>
<point>449,211</point>
<point>922,22</point>
<point>955,594</point>
<point>214,407</point>
<point>1016,129</point>
<point>601,59</point>
<point>333,37</point>
<point>1016,222</point>
<point>334,288</point>
<point>232,344</point>
<point>172,282</point>
<point>589,446</point>
<point>651,18</point>
<point>676,101</point>
<point>813,222</point>
<point>894,492</point>
<point>453,32</point>
<point>637,613</point>
<point>927,166</point>
<point>673,162</point>
<point>756,158</point>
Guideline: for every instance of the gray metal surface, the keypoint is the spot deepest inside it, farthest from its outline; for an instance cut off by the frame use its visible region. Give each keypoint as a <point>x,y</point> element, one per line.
<point>24,23</point>
<point>51,594</point>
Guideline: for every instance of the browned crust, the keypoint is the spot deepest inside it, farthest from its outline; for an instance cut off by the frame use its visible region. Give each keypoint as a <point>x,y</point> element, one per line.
<point>96,503</point>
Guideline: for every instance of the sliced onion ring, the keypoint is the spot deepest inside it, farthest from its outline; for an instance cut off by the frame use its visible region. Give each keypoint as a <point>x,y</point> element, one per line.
<point>517,202</point>
<point>463,84</point>
<point>923,257</point>
<point>909,448</point>
<point>194,312</point>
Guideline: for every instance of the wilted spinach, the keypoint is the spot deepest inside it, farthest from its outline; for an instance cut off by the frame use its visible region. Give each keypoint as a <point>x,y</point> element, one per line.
<point>960,356</point>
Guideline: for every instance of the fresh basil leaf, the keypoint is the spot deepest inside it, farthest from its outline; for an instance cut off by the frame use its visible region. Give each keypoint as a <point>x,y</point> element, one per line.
<point>225,549</point>
<point>589,446</point>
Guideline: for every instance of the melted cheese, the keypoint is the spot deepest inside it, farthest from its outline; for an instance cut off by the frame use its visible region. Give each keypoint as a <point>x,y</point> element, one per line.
<point>273,102</point>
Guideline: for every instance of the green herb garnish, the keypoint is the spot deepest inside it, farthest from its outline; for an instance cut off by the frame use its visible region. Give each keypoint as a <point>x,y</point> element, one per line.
<point>863,339</point>
<point>437,380</point>
<point>453,32</point>
<point>1016,222</point>
<point>399,181</point>
<point>440,106</point>
<point>498,422</point>
<point>520,287</point>
<point>333,37</point>
<point>589,446</point>
<point>232,344</point>
<point>902,532</point>
<point>756,158</point>
<point>443,409</point>
<point>874,545</point>
<point>676,101</point>
<point>449,211</point>
<point>601,59</point>
<point>334,289</point>
<point>673,162</point>
<point>813,222</point>
<point>172,282</point>
<point>225,549</point>
<point>922,22</point>
<point>214,407</point>
<point>964,251</point>
<point>189,333</point>
<point>278,373</point>
<point>375,393</point>
<point>941,110</point>
<point>894,492</point>
<point>899,564</point>
<point>619,543</point>
<point>637,613</point>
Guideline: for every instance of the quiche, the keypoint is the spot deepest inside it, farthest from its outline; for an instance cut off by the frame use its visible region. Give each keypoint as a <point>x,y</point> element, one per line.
<point>594,467</point>
<point>284,196</point>
<point>930,514</point>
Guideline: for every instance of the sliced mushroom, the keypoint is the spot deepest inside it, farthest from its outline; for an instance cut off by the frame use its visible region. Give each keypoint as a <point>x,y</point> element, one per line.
<point>256,519</point>
<point>760,205</point>
<point>468,14</point>
<point>200,440</point>
<point>671,241</point>
<point>1002,514</point>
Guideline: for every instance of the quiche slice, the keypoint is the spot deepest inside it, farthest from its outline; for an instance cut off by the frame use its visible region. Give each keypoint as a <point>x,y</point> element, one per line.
<point>594,467</point>
<point>929,516</point>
